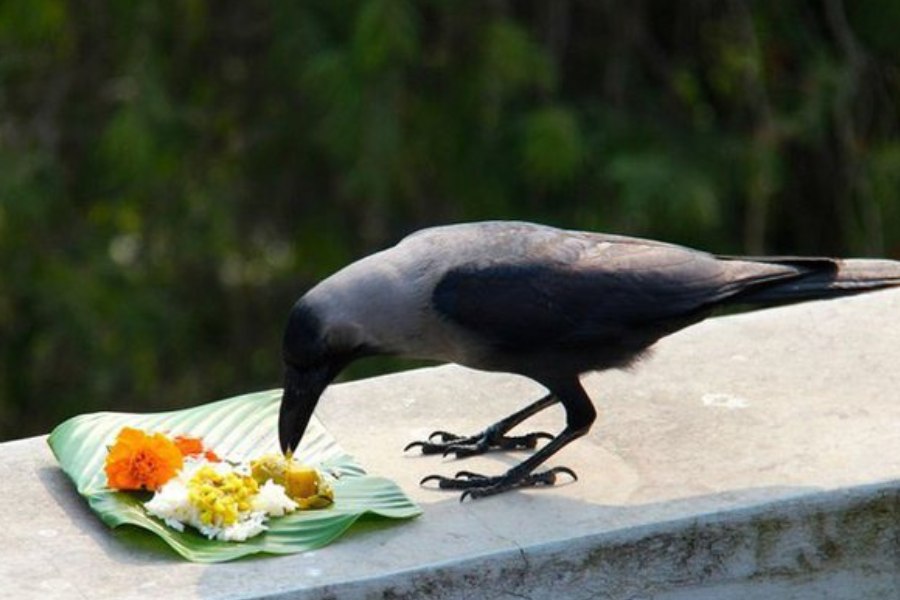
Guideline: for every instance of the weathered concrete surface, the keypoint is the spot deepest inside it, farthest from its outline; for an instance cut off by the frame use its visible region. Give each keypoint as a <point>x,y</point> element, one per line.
<point>754,456</point>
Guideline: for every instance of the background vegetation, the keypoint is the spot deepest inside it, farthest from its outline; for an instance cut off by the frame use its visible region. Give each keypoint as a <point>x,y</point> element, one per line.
<point>173,174</point>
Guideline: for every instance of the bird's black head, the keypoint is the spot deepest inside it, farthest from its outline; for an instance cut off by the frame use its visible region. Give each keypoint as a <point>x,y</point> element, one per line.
<point>313,355</point>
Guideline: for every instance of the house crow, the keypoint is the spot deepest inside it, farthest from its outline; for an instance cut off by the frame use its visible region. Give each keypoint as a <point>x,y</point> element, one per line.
<point>541,302</point>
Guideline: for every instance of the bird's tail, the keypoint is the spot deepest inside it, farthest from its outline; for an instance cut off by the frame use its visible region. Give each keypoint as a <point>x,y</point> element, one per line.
<point>819,278</point>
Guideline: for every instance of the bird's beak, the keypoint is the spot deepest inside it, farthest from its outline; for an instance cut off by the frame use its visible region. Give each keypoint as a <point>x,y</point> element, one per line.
<point>302,388</point>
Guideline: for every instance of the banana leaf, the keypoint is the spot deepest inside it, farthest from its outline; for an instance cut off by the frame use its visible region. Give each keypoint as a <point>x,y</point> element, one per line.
<point>238,428</point>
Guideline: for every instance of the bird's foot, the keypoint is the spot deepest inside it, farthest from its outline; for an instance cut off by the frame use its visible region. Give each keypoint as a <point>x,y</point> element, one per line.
<point>475,485</point>
<point>443,442</point>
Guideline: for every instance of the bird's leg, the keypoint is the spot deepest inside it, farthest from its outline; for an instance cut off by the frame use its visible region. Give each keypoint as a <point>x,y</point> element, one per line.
<point>580,415</point>
<point>494,437</point>
<point>475,485</point>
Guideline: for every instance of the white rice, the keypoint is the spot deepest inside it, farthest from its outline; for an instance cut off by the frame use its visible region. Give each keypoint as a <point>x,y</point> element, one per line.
<point>170,503</point>
<point>273,500</point>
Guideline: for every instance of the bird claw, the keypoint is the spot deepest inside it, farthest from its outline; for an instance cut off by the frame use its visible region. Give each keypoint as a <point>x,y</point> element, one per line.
<point>427,447</point>
<point>445,436</point>
<point>469,475</point>
<point>476,485</point>
<point>439,478</point>
<point>461,481</point>
<point>505,483</point>
<point>550,474</point>
<point>450,443</point>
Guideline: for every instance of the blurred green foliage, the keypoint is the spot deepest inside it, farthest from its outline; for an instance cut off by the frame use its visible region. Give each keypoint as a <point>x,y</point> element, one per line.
<point>173,174</point>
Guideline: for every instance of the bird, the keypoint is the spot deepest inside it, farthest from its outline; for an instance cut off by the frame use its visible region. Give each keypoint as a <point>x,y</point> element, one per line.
<point>545,303</point>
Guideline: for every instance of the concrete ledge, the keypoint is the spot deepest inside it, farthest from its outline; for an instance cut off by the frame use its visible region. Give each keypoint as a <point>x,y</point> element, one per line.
<point>837,545</point>
<point>753,456</point>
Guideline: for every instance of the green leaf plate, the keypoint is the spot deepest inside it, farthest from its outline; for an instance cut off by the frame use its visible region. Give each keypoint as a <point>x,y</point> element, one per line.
<point>237,428</point>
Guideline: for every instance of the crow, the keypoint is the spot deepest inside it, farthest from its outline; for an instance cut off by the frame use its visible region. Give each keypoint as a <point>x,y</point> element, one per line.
<point>537,301</point>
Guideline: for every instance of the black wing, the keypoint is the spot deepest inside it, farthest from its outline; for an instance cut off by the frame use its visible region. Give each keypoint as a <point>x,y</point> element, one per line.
<point>591,289</point>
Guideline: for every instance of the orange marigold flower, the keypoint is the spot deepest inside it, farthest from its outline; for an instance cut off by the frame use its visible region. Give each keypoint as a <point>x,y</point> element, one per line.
<point>140,461</point>
<point>191,446</point>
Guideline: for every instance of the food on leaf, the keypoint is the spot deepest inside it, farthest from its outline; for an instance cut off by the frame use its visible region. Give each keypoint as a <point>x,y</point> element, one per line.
<point>220,500</point>
<point>301,481</point>
<point>223,500</point>
<point>193,446</point>
<point>303,484</point>
<point>220,497</point>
